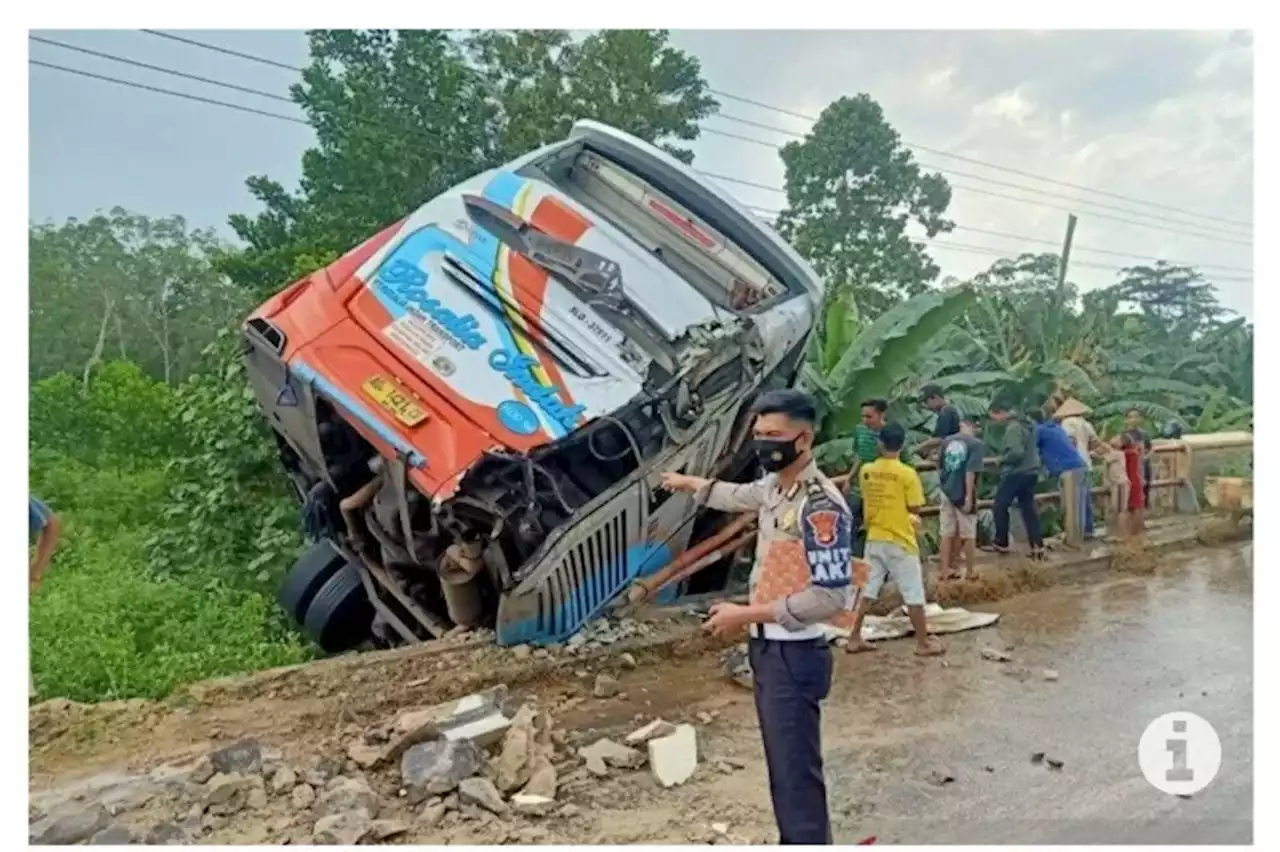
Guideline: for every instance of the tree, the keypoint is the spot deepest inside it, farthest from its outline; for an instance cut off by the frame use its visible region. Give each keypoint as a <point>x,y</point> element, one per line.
<point>1176,299</point>
<point>852,190</point>
<point>400,116</point>
<point>125,286</point>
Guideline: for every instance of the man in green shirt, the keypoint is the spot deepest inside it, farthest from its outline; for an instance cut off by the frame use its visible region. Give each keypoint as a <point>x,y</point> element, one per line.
<point>1019,468</point>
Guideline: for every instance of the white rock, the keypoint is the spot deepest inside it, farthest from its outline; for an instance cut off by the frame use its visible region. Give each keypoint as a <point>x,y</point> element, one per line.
<point>528,803</point>
<point>653,730</point>
<point>674,758</point>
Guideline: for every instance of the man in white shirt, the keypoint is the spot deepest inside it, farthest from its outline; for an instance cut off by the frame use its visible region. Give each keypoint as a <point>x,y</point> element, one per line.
<point>1071,415</point>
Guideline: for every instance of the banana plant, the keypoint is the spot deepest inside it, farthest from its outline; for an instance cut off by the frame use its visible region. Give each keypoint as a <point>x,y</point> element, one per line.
<point>850,360</point>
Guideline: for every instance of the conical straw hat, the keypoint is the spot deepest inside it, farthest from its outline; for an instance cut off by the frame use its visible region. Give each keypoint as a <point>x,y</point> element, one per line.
<point>1072,408</point>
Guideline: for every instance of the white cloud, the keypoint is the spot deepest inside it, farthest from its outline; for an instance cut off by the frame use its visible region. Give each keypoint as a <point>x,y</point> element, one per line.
<point>1160,117</point>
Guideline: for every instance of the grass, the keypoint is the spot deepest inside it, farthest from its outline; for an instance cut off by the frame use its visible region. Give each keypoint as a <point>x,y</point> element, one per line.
<point>104,626</point>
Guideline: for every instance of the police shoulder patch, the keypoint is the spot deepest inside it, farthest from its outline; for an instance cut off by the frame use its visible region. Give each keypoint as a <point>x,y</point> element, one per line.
<point>827,532</point>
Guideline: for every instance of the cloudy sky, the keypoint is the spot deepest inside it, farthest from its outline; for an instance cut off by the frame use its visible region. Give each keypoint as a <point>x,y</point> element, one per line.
<point>1154,120</point>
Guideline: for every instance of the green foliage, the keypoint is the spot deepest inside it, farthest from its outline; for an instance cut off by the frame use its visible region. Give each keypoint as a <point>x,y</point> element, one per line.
<point>229,514</point>
<point>852,189</point>
<point>102,628</point>
<point>175,530</point>
<point>104,625</point>
<point>123,414</point>
<point>881,355</point>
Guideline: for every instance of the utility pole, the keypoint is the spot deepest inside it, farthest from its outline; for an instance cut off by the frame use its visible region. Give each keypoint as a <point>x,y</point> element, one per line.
<point>1072,507</point>
<point>1066,257</point>
<point>1060,296</point>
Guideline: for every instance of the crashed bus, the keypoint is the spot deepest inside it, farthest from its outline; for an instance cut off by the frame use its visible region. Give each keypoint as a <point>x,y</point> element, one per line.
<point>474,406</point>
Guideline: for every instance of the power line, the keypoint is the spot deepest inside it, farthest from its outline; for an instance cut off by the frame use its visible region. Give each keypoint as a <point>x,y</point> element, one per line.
<point>126,61</point>
<point>940,153</point>
<point>304,122</point>
<point>721,93</point>
<point>993,181</point>
<point>989,251</point>
<point>1031,202</point>
<point>1055,243</point>
<point>158,90</point>
<point>250,56</point>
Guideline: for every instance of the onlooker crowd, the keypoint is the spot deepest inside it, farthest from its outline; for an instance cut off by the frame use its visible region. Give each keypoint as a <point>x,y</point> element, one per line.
<point>1061,443</point>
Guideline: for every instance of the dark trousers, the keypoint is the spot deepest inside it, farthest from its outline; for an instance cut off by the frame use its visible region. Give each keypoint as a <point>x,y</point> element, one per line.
<point>791,680</point>
<point>1019,488</point>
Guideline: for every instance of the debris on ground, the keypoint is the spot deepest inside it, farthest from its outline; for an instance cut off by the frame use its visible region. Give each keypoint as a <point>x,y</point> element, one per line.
<point>606,686</point>
<point>995,655</point>
<point>674,758</point>
<point>605,753</point>
<point>737,667</point>
<point>1133,557</point>
<point>478,769</point>
<point>1037,757</point>
<point>656,728</point>
<point>1050,674</point>
<point>1054,763</point>
<point>940,777</point>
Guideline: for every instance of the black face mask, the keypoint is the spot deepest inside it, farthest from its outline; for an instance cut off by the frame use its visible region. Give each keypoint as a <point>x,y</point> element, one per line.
<point>776,453</point>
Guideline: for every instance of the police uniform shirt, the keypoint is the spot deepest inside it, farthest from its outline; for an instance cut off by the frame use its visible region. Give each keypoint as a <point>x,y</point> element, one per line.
<point>804,553</point>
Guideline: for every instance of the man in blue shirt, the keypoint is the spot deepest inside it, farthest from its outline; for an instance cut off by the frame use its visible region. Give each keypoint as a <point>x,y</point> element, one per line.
<point>1063,462</point>
<point>46,527</point>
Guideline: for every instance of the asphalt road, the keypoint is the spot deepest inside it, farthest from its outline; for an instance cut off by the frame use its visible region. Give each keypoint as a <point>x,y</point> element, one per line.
<point>1125,652</point>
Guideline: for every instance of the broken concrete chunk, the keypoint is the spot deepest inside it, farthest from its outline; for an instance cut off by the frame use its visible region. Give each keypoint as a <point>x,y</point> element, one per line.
<point>606,686</point>
<point>116,835</point>
<point>384,828</point>
<point>611,754</point>
<point>656,728</point>
<point>527,803</point>
<point>432,814</point>
<point>477,717</point>
<point>69,826</point>
<point>543,779</point>
<point>347,794</point>
<point>628,661</point>
<point>343,829</point>
<point>435,768</point>
<point>302,797</point>
<point>203,771</point>
<point>240,758</point>
<point>283,780</point>
<point>481,793</point>
<point>1050,675</point>
<point>364,755</point>
<point>519,748</point>
<point>167,834</point>
<point>674,758</point>
<point>995,655</point>
<point>226,794</point>
<point>257,799</point>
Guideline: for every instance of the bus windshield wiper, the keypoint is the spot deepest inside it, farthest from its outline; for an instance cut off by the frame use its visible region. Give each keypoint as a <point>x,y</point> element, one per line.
<point>596,278</point>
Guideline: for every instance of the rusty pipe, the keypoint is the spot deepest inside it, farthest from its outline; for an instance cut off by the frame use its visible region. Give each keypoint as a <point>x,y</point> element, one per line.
<point>664,576</point>
<point>356,501</point>
<point>732,547</point>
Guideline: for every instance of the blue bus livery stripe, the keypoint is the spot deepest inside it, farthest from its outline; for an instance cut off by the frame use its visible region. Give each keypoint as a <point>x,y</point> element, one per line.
<point>308,374</point>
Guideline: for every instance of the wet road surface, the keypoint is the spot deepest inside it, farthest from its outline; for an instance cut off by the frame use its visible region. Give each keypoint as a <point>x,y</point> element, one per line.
<point>1125,651</point>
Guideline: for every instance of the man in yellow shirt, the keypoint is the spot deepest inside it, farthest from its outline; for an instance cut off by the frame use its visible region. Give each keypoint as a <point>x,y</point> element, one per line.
<point>891,497</point>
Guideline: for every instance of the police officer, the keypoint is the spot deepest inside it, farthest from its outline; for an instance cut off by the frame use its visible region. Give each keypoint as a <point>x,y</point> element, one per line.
<point>803,575</point>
